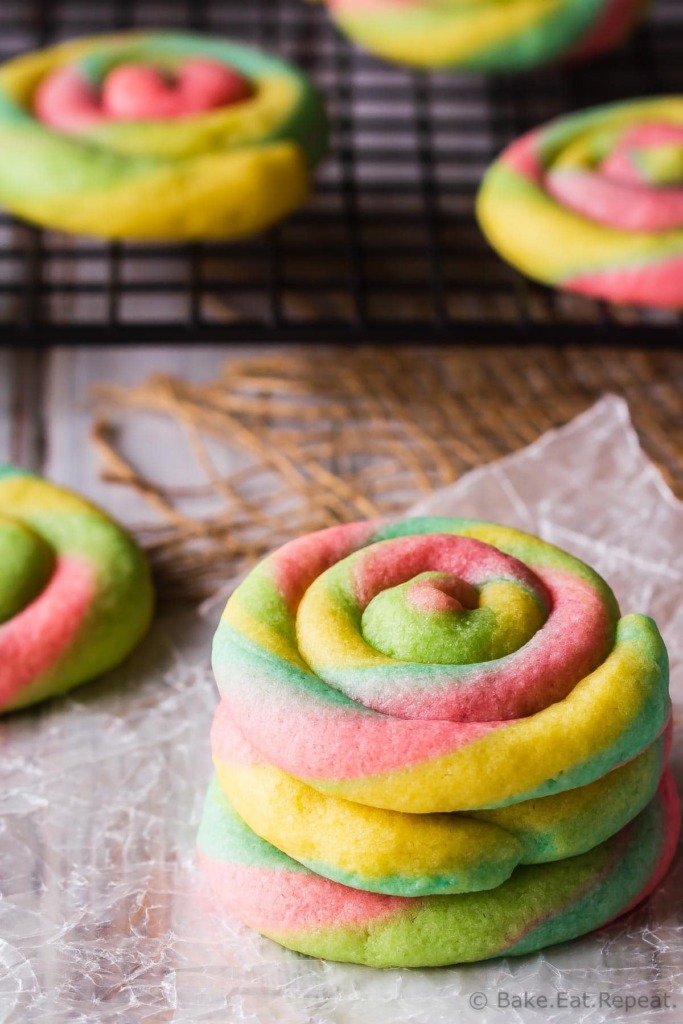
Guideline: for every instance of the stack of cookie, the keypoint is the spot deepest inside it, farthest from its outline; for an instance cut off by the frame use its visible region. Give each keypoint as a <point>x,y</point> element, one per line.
<point>438,741</point>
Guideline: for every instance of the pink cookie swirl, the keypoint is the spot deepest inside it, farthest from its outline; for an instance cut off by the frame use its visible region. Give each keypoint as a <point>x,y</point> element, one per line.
<point>68,101</point>
<point>623,191</point>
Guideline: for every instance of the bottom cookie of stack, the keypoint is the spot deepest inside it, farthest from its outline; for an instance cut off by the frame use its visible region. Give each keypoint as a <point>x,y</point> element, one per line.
<point>539,905</point>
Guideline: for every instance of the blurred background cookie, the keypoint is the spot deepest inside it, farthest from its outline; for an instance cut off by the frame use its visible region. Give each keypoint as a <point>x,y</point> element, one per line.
<point>157,135</point>
<point>492,36</point>
<point>75,595</point>
<point>593,203</point>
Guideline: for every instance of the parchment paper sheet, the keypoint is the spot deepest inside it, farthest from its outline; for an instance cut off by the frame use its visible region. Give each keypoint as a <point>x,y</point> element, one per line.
<point>104,917</point>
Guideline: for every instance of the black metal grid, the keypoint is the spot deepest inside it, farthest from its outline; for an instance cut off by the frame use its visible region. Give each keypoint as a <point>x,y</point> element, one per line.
<point>386,251</point>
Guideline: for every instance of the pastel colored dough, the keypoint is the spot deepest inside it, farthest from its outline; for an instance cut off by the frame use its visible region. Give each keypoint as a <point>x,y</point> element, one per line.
<point>486,35</point>
<point>593,203</point>
<point>585,692</point>
<point>195,170</point>
<point>414,855</point>
<point>538,906</point>
<point>75,592</point>
<point>67,101</point>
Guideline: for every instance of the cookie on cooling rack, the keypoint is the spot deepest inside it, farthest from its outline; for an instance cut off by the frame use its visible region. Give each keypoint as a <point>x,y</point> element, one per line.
<point>488,35</point>
<point>157,135</point>
<point>593,203</point>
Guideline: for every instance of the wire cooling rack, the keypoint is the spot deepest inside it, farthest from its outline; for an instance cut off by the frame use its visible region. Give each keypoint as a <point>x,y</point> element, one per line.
<point>387,250</point>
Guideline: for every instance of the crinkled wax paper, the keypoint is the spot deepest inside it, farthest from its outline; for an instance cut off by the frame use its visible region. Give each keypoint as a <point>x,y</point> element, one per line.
<point>104,916</point>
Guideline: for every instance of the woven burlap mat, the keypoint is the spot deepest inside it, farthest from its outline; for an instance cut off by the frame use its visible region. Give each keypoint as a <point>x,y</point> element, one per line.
<point>316,437</point>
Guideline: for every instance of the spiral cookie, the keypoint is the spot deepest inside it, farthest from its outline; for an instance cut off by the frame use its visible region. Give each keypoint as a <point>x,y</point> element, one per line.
<point>593,203</point>
<point>433,665</point>
<point>538,906</point>
<point>489,35</point>
<point>157,135</point>
<point>421,854</point>
<point>75,592</point>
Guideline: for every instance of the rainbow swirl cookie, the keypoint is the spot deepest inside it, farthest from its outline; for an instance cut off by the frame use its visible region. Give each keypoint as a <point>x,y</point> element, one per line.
<point>486,35</point>
<point>437,665</point>
<point>539,905</point>
<point>593,203</point>
<point>157,135</point>
<point>75,592</point>
<point>378,675</point>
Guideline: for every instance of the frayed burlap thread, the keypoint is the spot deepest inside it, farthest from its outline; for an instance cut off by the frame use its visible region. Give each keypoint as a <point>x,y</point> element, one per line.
<point>318,436</point>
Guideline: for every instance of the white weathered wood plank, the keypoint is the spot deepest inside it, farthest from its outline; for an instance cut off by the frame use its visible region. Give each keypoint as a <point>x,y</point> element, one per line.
<point>151,442</point>
<point>5,405</point>
<point>21,408</point>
